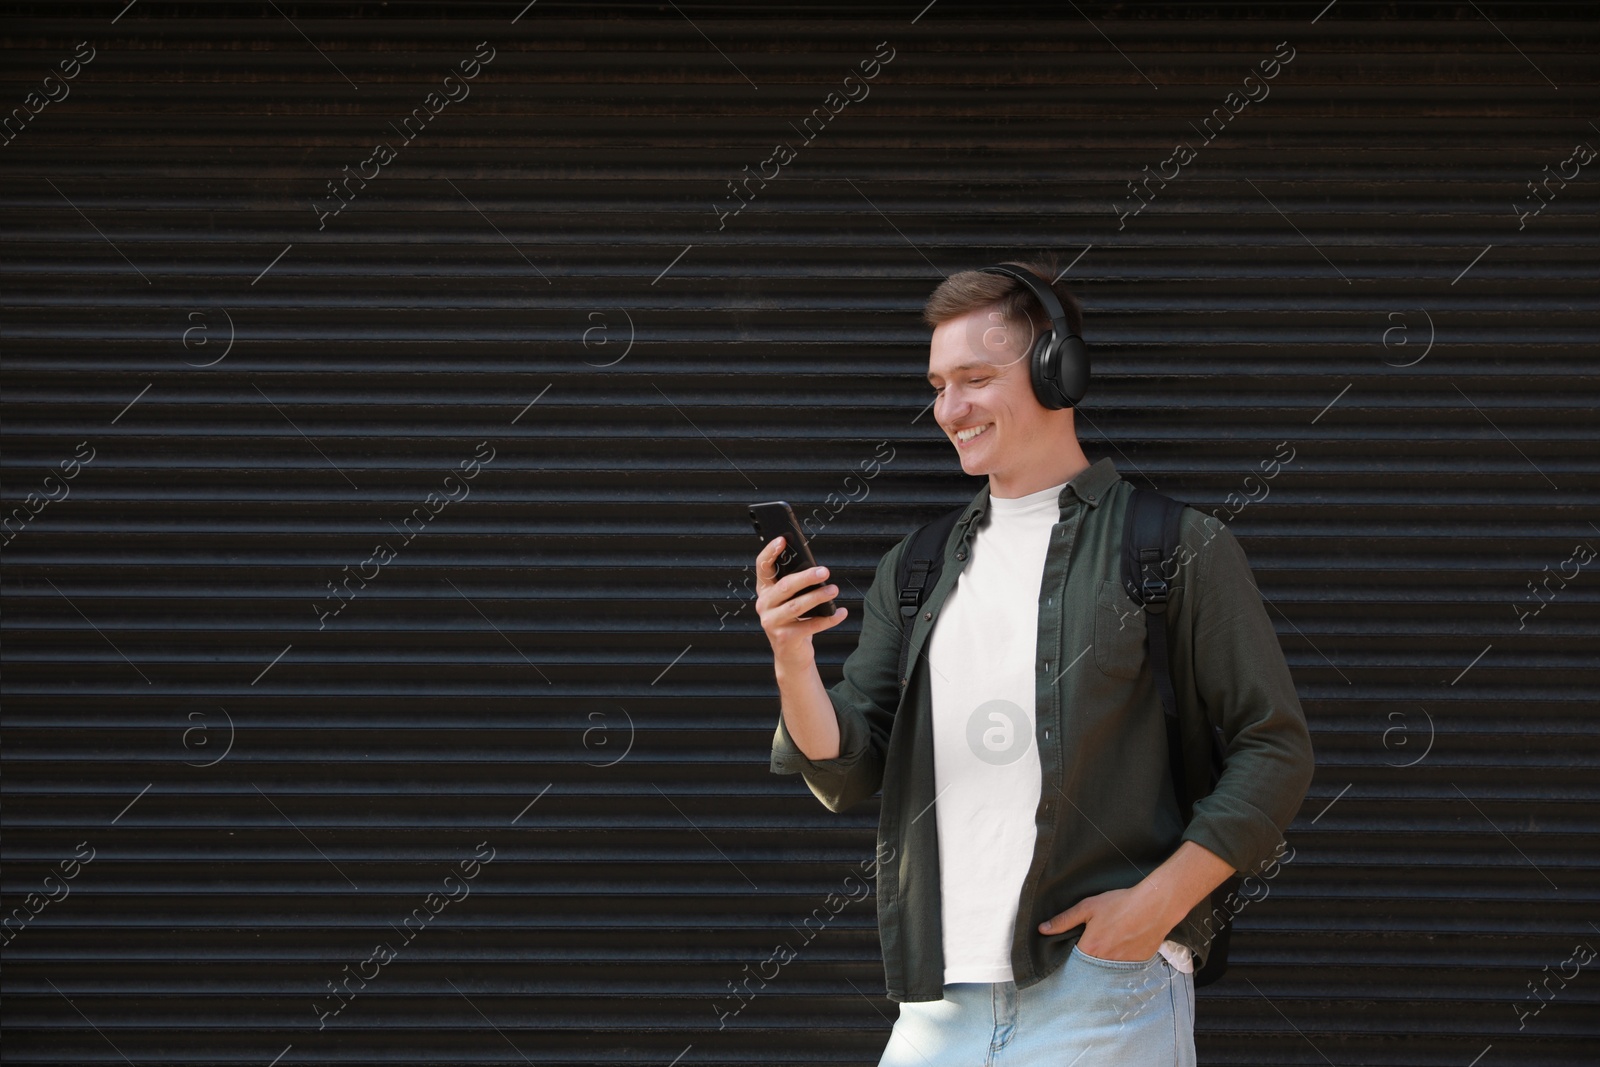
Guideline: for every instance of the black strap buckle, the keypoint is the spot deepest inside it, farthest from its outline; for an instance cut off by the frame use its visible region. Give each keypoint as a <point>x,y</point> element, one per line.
<point>911,592</point>
<point>1153,585</point>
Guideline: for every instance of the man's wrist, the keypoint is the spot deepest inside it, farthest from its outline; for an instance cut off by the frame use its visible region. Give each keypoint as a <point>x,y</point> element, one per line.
<point>1156,895</point>
<point>1174,888</point>
<point>794,665</point>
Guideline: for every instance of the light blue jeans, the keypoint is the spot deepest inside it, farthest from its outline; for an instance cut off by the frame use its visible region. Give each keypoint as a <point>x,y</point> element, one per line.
<point>1089,1013</point>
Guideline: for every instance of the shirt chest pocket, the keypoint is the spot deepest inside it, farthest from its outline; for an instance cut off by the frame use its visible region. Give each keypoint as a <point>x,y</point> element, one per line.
<point>1119,632</point>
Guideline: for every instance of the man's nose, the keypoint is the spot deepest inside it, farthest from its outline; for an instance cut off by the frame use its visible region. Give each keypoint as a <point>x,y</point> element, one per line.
<point>953,408</point>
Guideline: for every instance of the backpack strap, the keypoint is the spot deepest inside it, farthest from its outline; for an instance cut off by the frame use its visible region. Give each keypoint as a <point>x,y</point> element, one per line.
<point>920,564</point>
<point>1150,531</point>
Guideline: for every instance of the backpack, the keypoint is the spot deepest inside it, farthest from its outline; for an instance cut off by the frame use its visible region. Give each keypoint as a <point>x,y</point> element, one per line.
<point>1149,538</point>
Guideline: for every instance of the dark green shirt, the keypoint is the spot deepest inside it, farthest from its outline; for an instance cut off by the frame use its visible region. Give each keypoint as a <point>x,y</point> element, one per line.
<point>1107,812</point>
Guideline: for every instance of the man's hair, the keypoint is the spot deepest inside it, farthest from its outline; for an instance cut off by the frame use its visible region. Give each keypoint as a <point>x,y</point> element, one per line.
<point>971,290</point>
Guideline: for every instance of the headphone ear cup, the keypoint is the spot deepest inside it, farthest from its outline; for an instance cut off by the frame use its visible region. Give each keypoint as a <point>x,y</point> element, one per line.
<point>1042,371</point>
<point>1072,370</point>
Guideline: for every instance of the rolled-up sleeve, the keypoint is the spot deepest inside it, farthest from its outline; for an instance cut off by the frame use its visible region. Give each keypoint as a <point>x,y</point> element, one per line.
<point>864,700</point>
<point>1244,685</point>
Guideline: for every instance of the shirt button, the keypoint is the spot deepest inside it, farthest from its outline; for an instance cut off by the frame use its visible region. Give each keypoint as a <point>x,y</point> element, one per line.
<point>1047,734</point>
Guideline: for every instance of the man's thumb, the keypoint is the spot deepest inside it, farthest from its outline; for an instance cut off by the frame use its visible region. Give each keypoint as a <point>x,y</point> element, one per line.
<point>1066,920</point>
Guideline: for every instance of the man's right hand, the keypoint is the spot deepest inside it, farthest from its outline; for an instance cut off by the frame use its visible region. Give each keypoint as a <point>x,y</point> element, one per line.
<point>780,609</point>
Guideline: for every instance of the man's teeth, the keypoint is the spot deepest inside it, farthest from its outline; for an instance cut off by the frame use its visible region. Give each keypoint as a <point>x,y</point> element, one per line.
<point>967,435</point>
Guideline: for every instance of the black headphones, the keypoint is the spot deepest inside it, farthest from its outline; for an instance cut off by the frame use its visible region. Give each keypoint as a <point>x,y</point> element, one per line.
<point>1060,359</point>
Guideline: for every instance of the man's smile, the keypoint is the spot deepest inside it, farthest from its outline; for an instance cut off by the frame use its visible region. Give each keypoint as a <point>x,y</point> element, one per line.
<point>963,436</point>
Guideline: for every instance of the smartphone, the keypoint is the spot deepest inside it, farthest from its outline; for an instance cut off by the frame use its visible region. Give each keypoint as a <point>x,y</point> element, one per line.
<point>775,518</point>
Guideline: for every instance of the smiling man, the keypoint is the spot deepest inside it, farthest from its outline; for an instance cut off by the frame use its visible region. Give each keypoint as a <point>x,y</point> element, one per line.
<point>1045,892</point>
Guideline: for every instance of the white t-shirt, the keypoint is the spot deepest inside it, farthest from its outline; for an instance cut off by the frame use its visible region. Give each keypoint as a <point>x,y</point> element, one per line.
<point>986,766</point>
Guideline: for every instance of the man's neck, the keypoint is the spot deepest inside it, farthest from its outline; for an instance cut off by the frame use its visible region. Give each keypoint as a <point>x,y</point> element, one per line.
<point>1062,466</point>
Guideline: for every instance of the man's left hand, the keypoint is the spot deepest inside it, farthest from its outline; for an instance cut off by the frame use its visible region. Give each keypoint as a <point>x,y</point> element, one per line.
<point>1130,924</point>
<point>1123,924</point>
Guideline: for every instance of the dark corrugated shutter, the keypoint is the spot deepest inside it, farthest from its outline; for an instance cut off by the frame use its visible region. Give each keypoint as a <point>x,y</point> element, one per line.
<point>559,669</point>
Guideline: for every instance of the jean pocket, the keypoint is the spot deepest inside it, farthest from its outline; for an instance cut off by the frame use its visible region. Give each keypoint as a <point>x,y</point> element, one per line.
<point>1117,965</point>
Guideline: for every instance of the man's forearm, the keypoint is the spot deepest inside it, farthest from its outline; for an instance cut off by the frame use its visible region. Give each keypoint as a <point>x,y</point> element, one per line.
<point>1185,879</point>
<point>808,714</point>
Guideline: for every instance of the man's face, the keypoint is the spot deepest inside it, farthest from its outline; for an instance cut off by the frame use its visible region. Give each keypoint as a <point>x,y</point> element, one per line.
<point>978,364</point>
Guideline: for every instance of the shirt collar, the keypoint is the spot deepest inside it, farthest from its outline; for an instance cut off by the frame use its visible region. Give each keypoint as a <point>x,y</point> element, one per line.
<point>1090,486</point>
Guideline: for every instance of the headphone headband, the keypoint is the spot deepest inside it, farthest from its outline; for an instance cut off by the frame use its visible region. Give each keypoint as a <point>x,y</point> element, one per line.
<point>1058,364</point>
<point>1042,292</point>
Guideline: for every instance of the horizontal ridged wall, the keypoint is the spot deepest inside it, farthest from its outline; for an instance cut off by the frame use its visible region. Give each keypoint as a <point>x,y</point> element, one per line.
<point>541,360</point>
